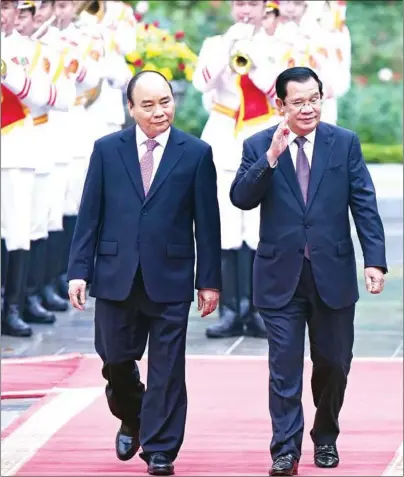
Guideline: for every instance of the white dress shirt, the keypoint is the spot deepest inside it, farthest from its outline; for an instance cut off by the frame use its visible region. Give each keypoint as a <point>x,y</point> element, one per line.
<point>158,152</point>
<point>308,146</point>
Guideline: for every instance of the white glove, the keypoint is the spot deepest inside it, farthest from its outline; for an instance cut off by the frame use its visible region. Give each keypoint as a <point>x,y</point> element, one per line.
<point>260,52</point>
<point>238,31</point>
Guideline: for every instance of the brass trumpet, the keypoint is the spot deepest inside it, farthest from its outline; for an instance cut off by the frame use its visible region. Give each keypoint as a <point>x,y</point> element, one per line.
<point>240,62</point>
<point>91,7</point>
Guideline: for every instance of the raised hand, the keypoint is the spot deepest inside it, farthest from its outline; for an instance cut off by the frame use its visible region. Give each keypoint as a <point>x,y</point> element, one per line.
<point>279,142</point>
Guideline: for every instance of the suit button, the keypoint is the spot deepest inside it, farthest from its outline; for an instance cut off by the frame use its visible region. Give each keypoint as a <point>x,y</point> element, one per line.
<point>144,212</point>
<point>308,226</point>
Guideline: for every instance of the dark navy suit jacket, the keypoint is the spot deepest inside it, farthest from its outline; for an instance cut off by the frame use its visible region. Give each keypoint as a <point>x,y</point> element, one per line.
<point>339,181</point>
<point>118,228</point>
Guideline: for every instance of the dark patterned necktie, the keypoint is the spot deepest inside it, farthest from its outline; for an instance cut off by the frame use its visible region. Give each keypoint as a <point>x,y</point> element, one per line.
<point>303,174</point>
<point>302,167</point>
<point>146,164</point>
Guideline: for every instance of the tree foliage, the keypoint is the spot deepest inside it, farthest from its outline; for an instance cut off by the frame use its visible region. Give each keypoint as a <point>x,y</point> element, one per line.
<point>377,37</point>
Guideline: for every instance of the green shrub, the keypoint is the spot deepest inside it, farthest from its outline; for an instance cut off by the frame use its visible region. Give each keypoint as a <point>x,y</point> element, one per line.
<point>382,153</point>
<point>376,29</point>
<point>374,112</point>
<point>191,115</point>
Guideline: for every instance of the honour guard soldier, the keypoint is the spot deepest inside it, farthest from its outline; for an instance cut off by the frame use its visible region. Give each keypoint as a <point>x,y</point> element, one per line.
<point>24,85</point>
<point>239,75</point>
<point>119,37</point>
<point>272,17</point>
<point>59,146</point>
<point>306,44</point>
<point>82,55</point>
<point>333,24</point>
<point>64,96</point>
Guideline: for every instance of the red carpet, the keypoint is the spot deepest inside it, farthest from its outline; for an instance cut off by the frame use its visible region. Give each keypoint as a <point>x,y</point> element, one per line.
<point>35,376</point>
<point>228,428</point>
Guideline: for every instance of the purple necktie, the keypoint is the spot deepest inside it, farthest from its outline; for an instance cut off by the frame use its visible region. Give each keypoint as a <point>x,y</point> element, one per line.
<point>303,174</point>
<point>146,164</point>
<point>302,167</point>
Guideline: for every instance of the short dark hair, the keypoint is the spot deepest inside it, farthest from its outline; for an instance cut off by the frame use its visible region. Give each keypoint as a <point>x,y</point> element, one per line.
<point>300,74</point>
<point>135,79</point>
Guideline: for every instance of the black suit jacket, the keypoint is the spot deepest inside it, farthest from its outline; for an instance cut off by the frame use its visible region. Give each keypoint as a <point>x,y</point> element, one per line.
<point>339,181</point>
<point>119,229</point>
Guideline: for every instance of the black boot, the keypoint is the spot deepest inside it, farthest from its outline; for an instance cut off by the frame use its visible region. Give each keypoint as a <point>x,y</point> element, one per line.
<point>51,300</point>
<point>12,323</point>
<point>69,223</point>
<point>62,286</point>
<point>229,323</point>
<point>253,323</point>
<point>34,312</point>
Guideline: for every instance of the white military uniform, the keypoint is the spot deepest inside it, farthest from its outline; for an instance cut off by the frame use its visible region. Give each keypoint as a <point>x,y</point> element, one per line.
<point>308,45</point>
<point>76,126</point>
<point>339,49</point>
<point>240,106</point>
<point>59,146</point>
<point>62,97</point>
<point>25,87</point>
<point>119,36</point>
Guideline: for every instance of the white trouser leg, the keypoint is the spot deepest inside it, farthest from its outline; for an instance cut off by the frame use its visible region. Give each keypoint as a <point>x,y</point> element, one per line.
<point>41,204</point>
<point>17,188</point>
<point>76,177</point>
<point>231,218</point>
<point>58,185</point>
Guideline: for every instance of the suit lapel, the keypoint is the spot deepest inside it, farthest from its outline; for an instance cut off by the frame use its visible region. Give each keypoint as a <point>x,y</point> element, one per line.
<point>130,158</point>
<point>172,154</point>
<point>321,154</point>
<point>285,164</point>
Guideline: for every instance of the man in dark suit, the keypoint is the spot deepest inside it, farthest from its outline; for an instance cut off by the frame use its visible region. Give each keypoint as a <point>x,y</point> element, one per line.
<point>146,189</point>
<point>306,175</point>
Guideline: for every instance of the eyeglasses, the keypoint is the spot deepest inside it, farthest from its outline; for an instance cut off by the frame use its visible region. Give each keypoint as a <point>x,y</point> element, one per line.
<point>299,105</point>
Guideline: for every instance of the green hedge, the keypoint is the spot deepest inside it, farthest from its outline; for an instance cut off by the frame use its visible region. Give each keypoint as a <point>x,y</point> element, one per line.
<point>381,153</point>
<point>191,115</point>
<point>374,112</point>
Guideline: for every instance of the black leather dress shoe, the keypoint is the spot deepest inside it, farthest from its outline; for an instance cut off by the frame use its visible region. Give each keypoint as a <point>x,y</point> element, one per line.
<point>160,464</point>
<point>126,443</point>
<point>326,456</point>
<point>285,465</point>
